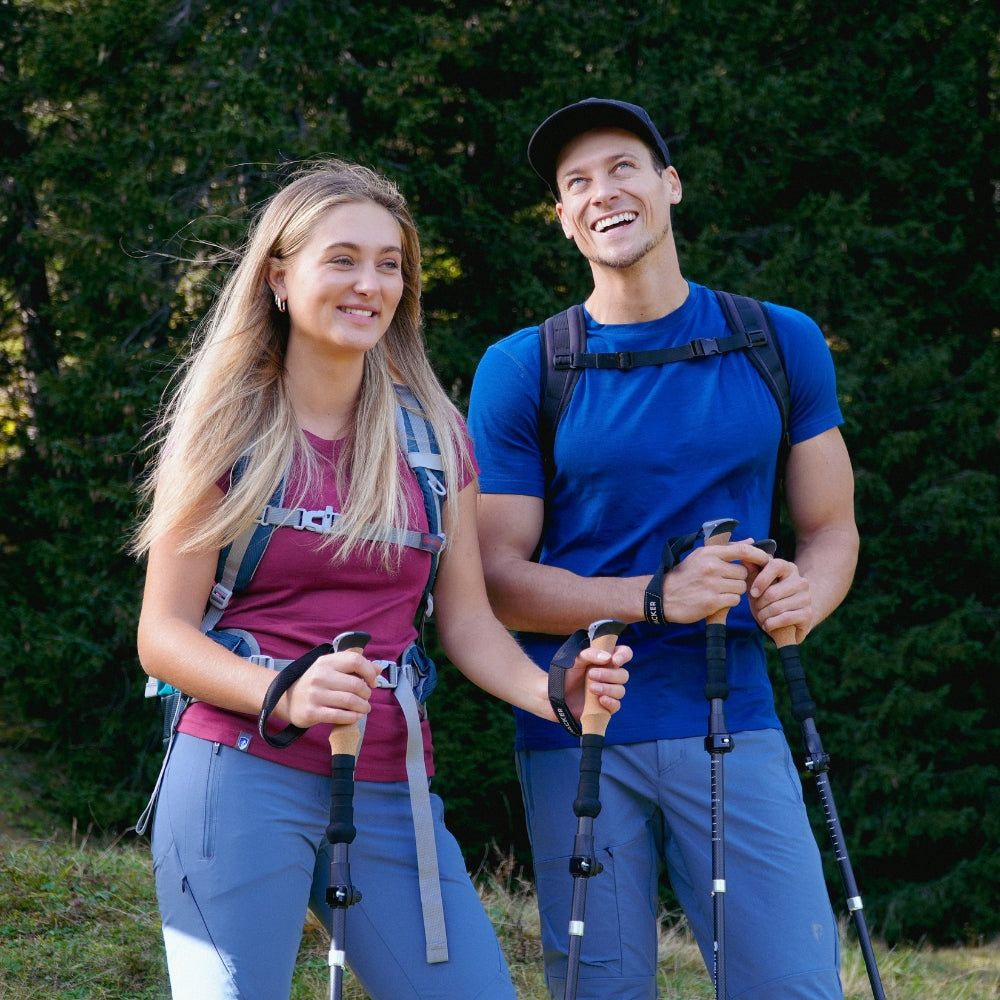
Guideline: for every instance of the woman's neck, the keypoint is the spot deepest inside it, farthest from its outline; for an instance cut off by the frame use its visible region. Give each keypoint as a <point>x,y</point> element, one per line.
<point>324,397</point>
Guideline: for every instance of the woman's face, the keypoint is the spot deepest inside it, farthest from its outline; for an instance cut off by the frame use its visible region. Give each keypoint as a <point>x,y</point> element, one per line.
<point>344,285</point>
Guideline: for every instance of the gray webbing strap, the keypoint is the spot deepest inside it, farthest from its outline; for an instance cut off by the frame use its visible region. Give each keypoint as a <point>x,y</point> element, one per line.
<point>435,935</point>
<point>415,434</point>
<point>325,522</point>
<point>222,591</point>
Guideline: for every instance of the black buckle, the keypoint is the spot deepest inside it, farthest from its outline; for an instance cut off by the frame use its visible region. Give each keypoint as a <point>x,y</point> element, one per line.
<point>704,346</point>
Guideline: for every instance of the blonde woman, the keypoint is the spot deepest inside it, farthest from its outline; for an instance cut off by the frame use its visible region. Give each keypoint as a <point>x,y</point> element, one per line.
<point>292,379</point>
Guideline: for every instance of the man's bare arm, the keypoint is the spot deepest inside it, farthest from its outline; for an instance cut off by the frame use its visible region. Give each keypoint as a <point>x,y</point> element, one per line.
<point>819,488</point>
<point>534,598</point>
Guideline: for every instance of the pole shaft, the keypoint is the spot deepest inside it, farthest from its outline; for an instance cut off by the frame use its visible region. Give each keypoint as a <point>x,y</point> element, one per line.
<point>817,761</point>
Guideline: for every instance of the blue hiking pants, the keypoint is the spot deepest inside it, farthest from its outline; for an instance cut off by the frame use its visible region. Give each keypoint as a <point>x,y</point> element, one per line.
<point>239,853</point>
<point>781,939</point>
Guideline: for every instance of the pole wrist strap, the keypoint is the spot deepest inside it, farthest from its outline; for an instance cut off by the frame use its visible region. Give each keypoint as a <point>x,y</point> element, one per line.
<point>672,551</point>
<point>565,657</point>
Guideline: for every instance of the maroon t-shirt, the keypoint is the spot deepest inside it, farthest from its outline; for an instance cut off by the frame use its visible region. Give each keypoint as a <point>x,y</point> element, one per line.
<point>300,597</point>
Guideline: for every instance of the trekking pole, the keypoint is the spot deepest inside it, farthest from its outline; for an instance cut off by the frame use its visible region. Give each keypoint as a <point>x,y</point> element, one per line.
<point>584,864</point>
<point>345,742</point>
<point>718,743</point>
<point>817,764</point>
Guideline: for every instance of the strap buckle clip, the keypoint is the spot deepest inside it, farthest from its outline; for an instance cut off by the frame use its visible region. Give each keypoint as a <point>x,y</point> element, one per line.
<point>703,347</point>
<point>315,520</point>
<point>389,677</point>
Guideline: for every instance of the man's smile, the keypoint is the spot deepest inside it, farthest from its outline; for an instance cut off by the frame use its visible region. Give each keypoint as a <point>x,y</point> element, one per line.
<point>612,221</point>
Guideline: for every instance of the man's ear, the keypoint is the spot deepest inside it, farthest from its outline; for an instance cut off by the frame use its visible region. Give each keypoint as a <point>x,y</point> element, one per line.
<point>674,180</point>
<point>563,221</point>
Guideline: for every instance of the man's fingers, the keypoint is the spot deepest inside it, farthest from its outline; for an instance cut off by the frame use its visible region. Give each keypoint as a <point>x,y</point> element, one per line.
<point>747,552</point>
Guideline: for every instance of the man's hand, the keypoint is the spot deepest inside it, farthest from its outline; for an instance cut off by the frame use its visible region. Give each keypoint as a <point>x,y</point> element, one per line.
<point>780,597</point>
<point>709,578</point>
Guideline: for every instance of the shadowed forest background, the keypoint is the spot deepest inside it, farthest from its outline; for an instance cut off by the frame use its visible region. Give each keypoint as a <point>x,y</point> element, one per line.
<point>840,158</point>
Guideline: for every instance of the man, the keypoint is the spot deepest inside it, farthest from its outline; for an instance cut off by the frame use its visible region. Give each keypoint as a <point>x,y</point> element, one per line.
<point>642,456</point>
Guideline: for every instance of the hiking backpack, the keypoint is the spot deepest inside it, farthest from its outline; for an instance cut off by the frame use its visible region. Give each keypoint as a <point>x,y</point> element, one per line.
<point>239,560</point>
<point>563,344</point>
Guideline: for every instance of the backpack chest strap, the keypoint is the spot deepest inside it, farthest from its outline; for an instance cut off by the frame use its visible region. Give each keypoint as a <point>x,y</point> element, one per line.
<point>703,347</point>
<point>325,522</point>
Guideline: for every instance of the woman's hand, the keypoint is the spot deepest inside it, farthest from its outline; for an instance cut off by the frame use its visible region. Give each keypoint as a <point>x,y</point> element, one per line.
<point>600,672</point>
<point>336,690</point>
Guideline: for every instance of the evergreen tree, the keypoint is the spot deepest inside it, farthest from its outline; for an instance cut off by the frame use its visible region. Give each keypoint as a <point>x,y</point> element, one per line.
<point>835,157</point>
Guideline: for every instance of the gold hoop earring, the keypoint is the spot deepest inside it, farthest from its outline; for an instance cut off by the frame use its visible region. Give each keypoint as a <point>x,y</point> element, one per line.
<point>280,303</point>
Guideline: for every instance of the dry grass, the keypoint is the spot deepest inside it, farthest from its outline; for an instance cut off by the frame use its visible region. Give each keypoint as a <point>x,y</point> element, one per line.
<point>78,921</point>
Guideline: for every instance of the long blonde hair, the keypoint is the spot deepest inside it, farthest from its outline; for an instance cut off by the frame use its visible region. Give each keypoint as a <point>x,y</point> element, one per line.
<point>229,400</point>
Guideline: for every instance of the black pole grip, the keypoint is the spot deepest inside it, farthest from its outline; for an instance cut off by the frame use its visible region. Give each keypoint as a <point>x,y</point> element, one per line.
<point>803,706</point>
<point>341,829</point>
<point>716,685</point>
<point>588,800</point>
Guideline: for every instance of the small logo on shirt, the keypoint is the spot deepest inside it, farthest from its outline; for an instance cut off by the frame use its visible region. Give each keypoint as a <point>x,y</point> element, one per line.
<point>243,742</point>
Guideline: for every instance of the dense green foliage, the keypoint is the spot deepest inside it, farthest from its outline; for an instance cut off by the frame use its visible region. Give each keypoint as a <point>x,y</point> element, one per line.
<point>840,158</point>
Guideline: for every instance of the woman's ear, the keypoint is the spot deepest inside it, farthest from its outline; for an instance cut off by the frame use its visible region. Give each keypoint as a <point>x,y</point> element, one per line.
<point>276,278</point>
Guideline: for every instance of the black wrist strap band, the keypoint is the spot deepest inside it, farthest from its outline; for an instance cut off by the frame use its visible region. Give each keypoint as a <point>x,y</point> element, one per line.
<point>564,659</point>
<point>672,551</point>
<point>285,679</point>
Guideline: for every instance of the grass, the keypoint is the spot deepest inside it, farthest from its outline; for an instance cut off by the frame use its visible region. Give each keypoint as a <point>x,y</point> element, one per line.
<point>78,922</point>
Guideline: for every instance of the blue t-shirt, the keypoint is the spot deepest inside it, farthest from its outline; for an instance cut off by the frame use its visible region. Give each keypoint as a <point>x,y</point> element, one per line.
<point>641,456</point>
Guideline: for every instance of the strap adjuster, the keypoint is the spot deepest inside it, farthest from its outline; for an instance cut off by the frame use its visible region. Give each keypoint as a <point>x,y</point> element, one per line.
<point>429,542</point>
<point>220,597</point>
<point>260,660</point>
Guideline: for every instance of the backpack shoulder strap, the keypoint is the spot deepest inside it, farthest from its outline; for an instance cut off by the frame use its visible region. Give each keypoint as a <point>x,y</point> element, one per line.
<point>417,438</point>
<point>559,337</point>
<point>751,317</point>
<point>238,561</point>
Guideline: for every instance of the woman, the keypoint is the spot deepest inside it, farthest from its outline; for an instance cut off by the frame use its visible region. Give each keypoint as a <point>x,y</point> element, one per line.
<point>296,371</point>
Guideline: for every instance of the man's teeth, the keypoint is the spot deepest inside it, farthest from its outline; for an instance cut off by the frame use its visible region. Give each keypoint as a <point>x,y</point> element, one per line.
<point>614,220</point>
<point>359,312</point>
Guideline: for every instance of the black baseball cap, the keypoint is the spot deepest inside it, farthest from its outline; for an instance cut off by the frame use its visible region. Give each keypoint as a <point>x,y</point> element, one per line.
<point>546,144</point>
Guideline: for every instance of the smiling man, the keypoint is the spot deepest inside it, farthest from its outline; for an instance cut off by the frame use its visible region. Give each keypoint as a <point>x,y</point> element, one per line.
<point>645,453</point>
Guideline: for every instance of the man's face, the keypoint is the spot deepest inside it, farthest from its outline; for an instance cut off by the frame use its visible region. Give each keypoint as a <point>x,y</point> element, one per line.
<point>614,199</point>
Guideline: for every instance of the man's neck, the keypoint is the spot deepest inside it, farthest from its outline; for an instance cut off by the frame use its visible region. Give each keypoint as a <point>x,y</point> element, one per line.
<point>629,297</point>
